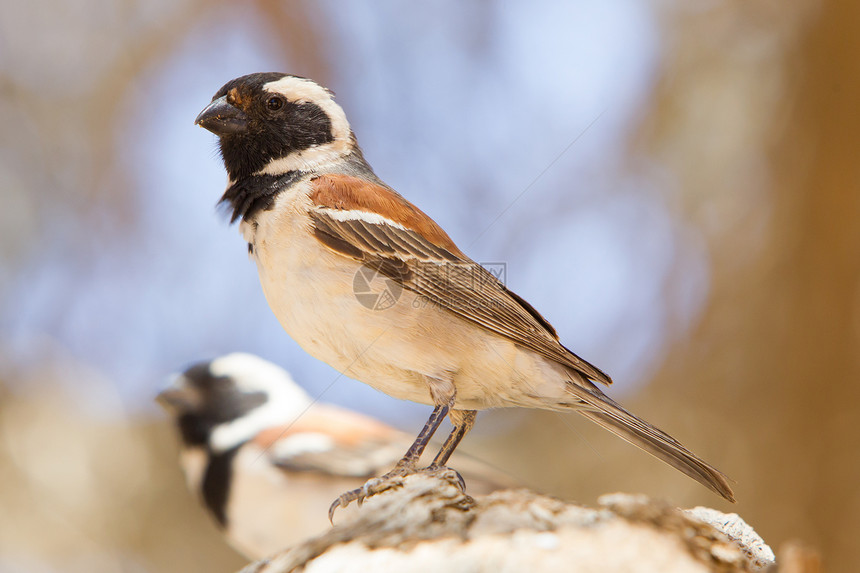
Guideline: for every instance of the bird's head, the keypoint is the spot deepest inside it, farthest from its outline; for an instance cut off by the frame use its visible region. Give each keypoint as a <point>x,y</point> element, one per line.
<point>224,403</point>
<point>274,123</point>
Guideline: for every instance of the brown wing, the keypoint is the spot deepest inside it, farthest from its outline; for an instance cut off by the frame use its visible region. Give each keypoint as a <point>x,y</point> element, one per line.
<point>373,224</point>
<point>333,441</point>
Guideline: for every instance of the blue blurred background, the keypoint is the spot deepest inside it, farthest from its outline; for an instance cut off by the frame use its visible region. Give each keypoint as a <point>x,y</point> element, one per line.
<point>522,112</point>
<point>642,169</point>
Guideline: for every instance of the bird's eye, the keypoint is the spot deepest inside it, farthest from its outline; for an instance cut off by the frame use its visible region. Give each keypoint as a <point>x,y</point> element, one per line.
<point>275,103</point>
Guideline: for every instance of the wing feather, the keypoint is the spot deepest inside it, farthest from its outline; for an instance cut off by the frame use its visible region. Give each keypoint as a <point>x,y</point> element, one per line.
<point>436,271</point>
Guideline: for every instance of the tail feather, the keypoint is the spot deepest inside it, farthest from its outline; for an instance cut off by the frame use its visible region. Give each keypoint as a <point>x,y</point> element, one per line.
<point>610,415</point>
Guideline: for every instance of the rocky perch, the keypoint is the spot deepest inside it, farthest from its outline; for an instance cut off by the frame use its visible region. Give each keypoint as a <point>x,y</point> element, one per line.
<point>428,525</point>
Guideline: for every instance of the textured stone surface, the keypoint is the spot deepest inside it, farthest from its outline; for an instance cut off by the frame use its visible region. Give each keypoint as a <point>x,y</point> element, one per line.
<point>428,525</point>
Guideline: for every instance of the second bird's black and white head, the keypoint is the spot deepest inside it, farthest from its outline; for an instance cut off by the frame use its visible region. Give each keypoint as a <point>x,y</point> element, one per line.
<point>222,404</point>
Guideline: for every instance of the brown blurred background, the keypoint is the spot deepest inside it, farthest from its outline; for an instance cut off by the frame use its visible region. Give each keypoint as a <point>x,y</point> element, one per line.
<point>740,127</point>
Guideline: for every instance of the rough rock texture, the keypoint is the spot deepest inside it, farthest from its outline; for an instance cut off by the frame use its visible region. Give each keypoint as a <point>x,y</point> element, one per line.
<point>736,529</point>
<point>428,525</point>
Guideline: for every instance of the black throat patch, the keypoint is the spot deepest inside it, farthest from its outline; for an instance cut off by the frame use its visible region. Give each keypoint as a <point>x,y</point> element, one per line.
<point>256,193</point>
<point>216,484</point>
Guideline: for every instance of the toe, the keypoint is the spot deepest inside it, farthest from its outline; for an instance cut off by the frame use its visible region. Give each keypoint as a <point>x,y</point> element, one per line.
<point>461,483</point>
<point>344,500</point>
<point>372,487</point>
<point>449,474</point>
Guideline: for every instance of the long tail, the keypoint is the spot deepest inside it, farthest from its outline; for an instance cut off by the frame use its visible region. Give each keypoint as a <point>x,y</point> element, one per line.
<point>612,416</point>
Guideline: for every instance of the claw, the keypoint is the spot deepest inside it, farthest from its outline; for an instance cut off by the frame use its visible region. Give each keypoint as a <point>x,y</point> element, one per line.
<point>461,483</point>
<point>444,472</point>
<point>332,509</point>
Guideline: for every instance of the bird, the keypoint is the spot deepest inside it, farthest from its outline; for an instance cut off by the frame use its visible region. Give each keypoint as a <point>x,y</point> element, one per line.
<point>265,460</point>
<point>443,330</point>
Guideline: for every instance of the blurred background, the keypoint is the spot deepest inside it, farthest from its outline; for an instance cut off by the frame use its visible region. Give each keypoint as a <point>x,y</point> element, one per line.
<point>675,185</point>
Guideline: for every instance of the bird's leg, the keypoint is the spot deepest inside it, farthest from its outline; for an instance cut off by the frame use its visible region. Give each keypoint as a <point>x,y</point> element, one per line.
<point>410,459</point>
<point>404,467</point>
<point>463,421</point>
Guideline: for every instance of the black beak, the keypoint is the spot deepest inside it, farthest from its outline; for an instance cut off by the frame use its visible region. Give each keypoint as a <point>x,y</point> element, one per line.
<point>179,396</point>
<point>221,118</point>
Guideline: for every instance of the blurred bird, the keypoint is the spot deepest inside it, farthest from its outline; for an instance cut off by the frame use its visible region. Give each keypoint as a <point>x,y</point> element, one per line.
<point>437,328</point>
<point>266,460</point>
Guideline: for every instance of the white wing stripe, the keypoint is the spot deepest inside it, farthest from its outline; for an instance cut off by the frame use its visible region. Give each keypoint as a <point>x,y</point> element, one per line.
<point>364,216</point>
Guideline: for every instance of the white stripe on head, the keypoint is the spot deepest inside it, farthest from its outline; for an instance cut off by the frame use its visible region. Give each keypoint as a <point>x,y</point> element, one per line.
<point>285,399</point>
<point>301,90</point>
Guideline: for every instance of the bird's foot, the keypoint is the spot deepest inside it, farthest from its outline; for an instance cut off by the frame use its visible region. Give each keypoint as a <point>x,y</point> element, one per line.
<point>394,479</point>
<point>447,474</point>
<point>373,486</point>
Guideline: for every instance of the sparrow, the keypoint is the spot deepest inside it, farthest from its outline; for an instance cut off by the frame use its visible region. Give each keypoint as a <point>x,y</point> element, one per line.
<point>266,460</point>
<point>448,334</point>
